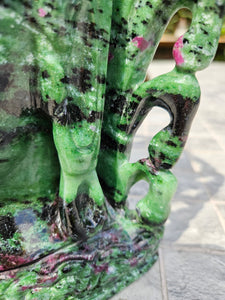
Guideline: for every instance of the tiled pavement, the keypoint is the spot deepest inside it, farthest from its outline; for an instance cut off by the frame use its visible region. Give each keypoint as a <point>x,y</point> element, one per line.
<point>191,263</point>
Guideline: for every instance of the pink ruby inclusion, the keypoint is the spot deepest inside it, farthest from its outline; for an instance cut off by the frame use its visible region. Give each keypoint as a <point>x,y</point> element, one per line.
<point>42,13</point>
<point>140,43</point>
<point>176,51</point>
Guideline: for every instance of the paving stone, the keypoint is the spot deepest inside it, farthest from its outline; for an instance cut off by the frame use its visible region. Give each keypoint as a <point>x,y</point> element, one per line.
<point>183,164</point>
<point>156,120</point>
<point>210,170</point>
<point>132,201</point>
<point>138,154</point>
<point>219,195</point>
<point>194,224</point>
<point>189,188</point>
<point>199,144</point>
<point>146,288</point>
<point>215,71</point>
<point>197,129</point>
<point>194,276</point>
<point>221,209</point>
<point>216,130</point>
<point>158,67</point>
<point>208,162</point>
<point>140,188</point>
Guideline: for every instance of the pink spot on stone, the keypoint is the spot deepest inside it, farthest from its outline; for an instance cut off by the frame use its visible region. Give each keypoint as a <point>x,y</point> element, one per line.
<point>24,288</point>
<point>11,261</point>
<point>133,262</point>
<point>110,57</point>
<point>52,260</point>
<point>101,268</point>
<point>176,51</point>
<point>11,275</point>
<point>140,43</point>
<point>42,13</point>
<point>49,279</point>
<point>114,238</point>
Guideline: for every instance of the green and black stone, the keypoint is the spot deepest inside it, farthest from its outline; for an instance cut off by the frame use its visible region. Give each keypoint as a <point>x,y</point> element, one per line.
<point>72,95</point>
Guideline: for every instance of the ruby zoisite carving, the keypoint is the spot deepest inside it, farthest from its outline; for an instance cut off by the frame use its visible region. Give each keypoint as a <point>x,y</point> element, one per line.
<point>72,95</point>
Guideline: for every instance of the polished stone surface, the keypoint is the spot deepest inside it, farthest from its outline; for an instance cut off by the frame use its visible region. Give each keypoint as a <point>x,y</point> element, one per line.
<point>191,261</point>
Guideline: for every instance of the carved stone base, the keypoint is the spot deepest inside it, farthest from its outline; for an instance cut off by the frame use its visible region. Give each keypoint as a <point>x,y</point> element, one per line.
<point>96,268</point>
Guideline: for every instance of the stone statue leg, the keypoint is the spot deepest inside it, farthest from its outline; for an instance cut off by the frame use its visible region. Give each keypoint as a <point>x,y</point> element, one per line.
<point>82,195</point>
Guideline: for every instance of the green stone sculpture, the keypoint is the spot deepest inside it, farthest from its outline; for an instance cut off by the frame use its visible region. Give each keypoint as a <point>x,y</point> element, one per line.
<point>72,95</point>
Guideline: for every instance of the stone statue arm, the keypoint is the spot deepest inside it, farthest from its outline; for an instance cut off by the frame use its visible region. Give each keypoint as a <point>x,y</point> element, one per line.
<point>178,91</point>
